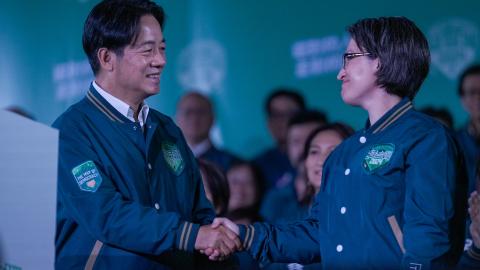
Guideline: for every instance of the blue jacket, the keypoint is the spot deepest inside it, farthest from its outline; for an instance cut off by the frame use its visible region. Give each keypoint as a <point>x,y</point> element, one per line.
<point>221,158</point>
<point>391,198</point>
<point>274,164</point>
<point>127,199</point>
<point>471,152</point>
<point>281,205</point>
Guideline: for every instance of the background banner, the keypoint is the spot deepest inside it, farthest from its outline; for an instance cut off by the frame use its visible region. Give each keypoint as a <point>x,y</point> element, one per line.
<point>235,52</point>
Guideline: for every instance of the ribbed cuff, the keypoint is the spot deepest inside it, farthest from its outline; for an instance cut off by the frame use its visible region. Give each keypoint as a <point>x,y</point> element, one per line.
<point>246,234</point>
<point>187,235</point>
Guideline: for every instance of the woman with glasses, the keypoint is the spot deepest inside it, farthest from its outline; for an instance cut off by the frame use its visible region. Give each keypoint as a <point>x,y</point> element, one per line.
<point>389,193</point>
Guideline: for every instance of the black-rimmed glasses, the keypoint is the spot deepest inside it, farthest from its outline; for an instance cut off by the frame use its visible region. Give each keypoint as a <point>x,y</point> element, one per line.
<point>349,56</point>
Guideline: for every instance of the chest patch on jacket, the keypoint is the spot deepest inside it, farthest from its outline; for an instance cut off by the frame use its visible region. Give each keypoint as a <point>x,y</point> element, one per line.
<point>87,176</point>
<point>173,157</point>
<point>378,156</point>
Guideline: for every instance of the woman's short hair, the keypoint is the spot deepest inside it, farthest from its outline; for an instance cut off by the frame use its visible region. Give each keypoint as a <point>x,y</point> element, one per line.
<point>402,50</point>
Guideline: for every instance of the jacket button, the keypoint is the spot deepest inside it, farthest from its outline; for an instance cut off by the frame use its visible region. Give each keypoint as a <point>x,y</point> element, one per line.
<point>363,139</point>
<point>157,206</point>
<point>343,210</point>
<point>339,248</point>
<point>149,166</point>
<point>134,127</point>
<point>347,171</point>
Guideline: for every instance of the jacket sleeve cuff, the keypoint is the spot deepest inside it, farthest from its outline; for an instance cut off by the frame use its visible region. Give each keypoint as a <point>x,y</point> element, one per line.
<point>187,235</point>
<point>474,252</point>
<point>246,234</point>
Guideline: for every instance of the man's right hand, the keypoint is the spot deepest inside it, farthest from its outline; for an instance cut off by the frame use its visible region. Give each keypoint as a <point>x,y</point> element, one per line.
<point>219,241</point>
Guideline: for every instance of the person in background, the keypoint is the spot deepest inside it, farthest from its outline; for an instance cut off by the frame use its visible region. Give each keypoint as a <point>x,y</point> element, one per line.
<point>216,186</point>
<point>320,143</point>
<point>441,114</point>
<point>129,192</point>
<point>471,257</point>
<point>281,105</point>
<point>299,127</point>
<point>469,135</point>
<point>246,191</point>
<point>290,191</point>
<point>195,117</point>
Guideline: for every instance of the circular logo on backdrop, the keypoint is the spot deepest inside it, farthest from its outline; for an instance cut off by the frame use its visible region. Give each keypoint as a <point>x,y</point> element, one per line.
<point>453,44</point>
<point>201,66</point>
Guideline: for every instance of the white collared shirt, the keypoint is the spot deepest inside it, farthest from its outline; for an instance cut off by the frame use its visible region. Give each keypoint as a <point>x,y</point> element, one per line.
<point>123,107</point>
<point>201,148</point>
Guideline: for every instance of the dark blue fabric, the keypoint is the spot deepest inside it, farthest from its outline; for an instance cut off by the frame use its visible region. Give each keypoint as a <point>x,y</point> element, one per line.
<point>274,164</point>
<point>470,259</point>
<point>221,158</point>
<point>350,226</point>
<point>471,152</point>
<point>281,205</point>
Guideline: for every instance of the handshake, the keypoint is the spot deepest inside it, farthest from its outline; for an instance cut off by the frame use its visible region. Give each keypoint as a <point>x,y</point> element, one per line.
<point>219,239</point>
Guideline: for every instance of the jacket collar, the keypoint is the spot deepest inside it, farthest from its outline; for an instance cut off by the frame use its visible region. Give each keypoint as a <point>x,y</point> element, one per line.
<point>390,116</point>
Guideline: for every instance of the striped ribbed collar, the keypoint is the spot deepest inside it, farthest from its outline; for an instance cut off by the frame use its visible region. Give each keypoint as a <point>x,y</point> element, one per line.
<point>390,117</point>
<point>123,107</point>
<point>103,106</point>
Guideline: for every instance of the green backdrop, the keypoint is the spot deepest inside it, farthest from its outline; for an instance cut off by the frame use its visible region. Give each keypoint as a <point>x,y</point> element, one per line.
<point>234,51</point>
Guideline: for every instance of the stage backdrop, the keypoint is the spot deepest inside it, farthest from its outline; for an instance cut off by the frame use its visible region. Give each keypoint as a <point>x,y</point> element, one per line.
<point>234,51</point>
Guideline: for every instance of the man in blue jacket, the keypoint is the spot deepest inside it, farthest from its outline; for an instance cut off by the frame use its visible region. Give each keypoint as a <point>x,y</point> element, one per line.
<point>130,194</point>
<point>393,195</point>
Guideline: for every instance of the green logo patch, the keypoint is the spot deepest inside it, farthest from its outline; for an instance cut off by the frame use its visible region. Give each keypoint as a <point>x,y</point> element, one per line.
<point>173,157</point>
<point>87,176</point>
<point>378,156</point>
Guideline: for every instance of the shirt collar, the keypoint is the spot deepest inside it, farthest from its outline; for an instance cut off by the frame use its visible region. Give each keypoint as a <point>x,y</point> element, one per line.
<point>201,148</point>
<point>123,107</point>
<point>390,116</point>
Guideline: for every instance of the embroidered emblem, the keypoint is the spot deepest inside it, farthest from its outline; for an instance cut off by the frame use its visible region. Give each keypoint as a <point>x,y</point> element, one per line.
<point>173,157</point>
<point>87,176</point>
<point>378,156</point>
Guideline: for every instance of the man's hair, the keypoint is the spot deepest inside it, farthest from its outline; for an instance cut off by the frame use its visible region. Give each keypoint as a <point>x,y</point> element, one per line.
<point>308,116</point>
<point>290,93</point>
<point>471,70</point>
<point>402,50</point>
<point>114,24</point>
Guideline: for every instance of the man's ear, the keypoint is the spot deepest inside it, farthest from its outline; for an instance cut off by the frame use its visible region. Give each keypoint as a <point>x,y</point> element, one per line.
<point>106,58</point>
<point>377,64</point>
